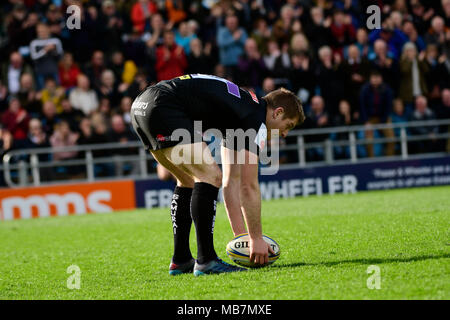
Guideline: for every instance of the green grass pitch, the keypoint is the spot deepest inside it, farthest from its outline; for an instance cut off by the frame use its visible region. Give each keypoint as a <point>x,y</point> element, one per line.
<point>327,244</point>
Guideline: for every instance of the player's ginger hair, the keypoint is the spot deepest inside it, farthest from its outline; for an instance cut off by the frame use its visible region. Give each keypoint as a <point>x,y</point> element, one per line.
<point>284,98</point>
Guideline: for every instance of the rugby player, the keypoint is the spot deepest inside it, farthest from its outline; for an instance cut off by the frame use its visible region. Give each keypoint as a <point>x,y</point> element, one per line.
<point>219,104</point>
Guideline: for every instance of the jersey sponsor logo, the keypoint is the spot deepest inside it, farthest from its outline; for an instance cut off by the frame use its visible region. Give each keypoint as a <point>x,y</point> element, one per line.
<point>254,97</point>
<point>185,77</point>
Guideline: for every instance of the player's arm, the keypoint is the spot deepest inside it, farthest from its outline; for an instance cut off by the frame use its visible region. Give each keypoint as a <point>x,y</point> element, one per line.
<point>231,184</point>
<point>251,207</point>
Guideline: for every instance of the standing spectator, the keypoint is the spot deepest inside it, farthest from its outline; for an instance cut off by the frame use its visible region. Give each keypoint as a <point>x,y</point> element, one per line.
<point>141,13</point>
<point>330,79</point>
<point>70,115</point>
<point>16,119</point>
<point>45,53</point>
<point>170,59</point>
<point>356,70</point>
<point>231,40</point>
<point>410,31</point>
<point>95,68</point>
<point>12,71</point>
<point>112,24</point>
<point>301,76</point>
<point>413,71</point>
<point>68,71</point>
<point>183,38</point>
<point>108,88</point>
<point>423,113</point>
<point>318,28</point>
<point>375,104</point>
<point>251,66</point>
<point>362,42</point>
<point>438,33</point>
<point>383,62</point>
<point>317,118</point>
<point>82,97</point>
<point>28,96</point>
<point>199,60</point>
<point>342,31</point>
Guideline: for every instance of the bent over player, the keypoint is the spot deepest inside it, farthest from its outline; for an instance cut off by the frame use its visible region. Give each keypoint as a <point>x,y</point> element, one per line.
<point>219,104</point>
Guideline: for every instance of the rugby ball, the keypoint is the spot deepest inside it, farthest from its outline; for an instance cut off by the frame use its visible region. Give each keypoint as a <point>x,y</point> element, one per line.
<point>238,250</point>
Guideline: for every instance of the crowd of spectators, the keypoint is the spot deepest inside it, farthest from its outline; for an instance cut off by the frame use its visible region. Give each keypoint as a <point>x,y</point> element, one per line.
<point>63,86</point>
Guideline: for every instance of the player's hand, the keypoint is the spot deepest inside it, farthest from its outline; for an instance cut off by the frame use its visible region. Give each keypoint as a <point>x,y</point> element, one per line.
<point>259,251</point>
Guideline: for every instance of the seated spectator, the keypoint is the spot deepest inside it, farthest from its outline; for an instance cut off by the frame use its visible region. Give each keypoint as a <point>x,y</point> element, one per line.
<point>362,42</point>
<point>45,53</point>
<point>375,104</point>
<point>68,71</point>
<point>95,68</point>
<point>398,115</point>
<point>261,34</point>
<point>251,67</point>
<point>125,108</point>
<point>82,97</point>
<point>113,25</point>
<point>49,117</point>
<point>175,10</point>
<point>422,113</point>
<point>52,92</point>
<point>318,28</point>
<point>37,138</point>
<point>342,31</point>
<point>437,33</point>
<point>71,115</point>
<point>411,32</point>
<point>394,38</point>
<point>170,58</point>
<point>6,144</point>
<point>413,71</point>
<point>12,72</point>
<point>63,137</point>
<point>16,119</point>
<point>199,60</point>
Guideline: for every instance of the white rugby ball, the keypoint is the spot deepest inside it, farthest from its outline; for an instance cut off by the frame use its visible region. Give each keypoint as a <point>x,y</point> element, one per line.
<point>238,250</point>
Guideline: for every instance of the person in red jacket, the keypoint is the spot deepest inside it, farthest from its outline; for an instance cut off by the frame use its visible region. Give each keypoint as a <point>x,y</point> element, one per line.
<point>171,61</point>
<point>16,119</point>
<point>68,71</point>
<point>140,15</point>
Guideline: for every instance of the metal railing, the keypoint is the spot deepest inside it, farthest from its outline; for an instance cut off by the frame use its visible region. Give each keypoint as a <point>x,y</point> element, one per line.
<point>26,167</point>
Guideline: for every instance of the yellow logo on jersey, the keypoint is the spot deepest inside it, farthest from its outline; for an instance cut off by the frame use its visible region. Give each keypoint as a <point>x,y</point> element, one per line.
<point>186,76</point>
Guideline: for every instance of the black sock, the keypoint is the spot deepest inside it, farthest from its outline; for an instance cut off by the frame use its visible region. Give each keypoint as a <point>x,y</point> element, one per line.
<point>203,211</point>
<point>180,210</point>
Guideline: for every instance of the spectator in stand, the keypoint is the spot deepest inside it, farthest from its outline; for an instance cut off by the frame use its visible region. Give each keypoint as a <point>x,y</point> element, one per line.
<point>28,96</point>
<point>72,116</point>
<point>95,68</point>
<point>175,10</point>
<point>108,88</point>
<point>52,92</point>
<point>16,119</point>
<point>301,76</point>
<point>342,31</point>
<point>6,144</point>
<point>344,118</point>
<point>82,97</point>
<point>375,104</point>
<point>37,138</point>
<point>413,71</point>
<point>446,12</point>
<point>49,117</point>
<point>438,34</point>
<point>12,72</point>
<point>443,112</point>
<point>382,61</point>
<point>112,23</point>
<point>199,60</point>
<point>125,108</point>
<point>261,33</point>
<point>141,13</point>
<point>398,115</point>
<point>394,38</point>
<point>45,53</point>
<point>329,78</point>
<point>410,31</point>
<point>63,137</point>
<point>317,118</point>
<point>423,113</point>
<point>170,58</point>
<point>282,28</point>
<point>362,42</point>
<point>318,29</point>
<point>183,38</point>
<point>251,67</point>
<point>68,71</point>
<point>356,70</point>
<point>231,40</point>
<point>277,61</point>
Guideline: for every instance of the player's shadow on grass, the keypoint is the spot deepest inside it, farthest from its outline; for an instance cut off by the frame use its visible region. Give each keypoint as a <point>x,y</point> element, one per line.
<point>366,261</point>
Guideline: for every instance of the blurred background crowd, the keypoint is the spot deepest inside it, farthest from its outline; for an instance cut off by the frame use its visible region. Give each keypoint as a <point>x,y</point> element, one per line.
<point>61,86</point>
